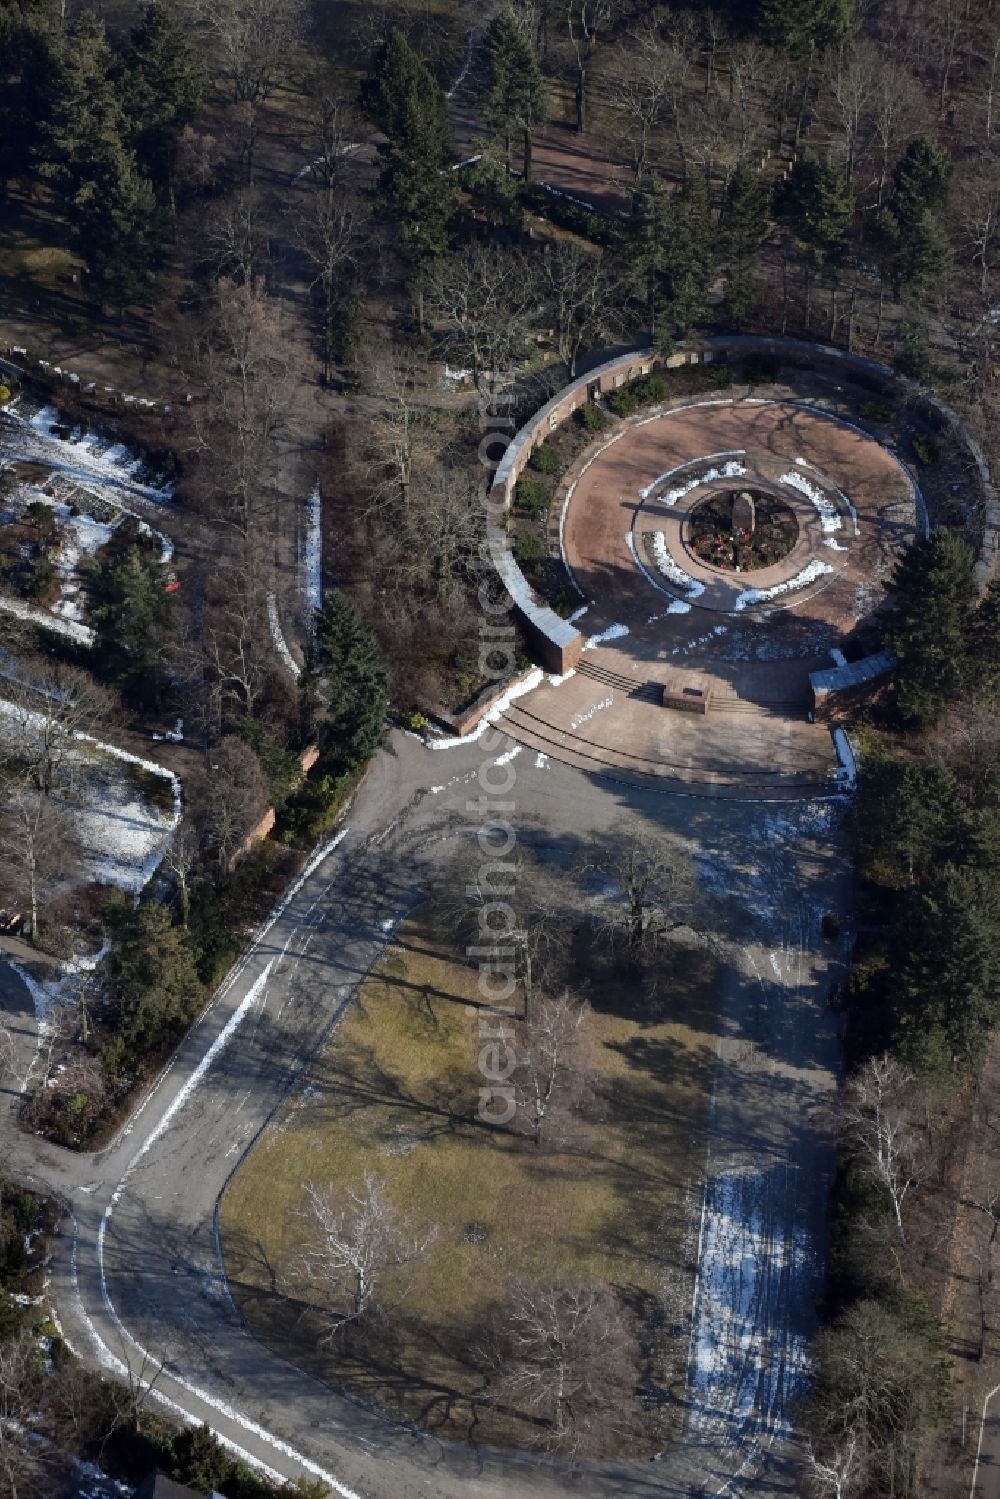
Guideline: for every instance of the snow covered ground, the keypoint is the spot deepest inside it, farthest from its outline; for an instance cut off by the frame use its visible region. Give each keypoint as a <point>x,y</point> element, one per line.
<point>312,553</point>
<point>87,475</point>
<point>747,1361</point>
<point>122,819</point>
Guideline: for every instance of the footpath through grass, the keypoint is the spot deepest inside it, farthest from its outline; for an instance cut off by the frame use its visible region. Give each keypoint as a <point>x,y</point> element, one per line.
<point>609,1198</point>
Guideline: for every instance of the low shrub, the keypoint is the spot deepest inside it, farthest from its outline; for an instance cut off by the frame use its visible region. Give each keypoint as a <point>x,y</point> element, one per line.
<point>311,809</point>
<point>718,376</point>
<point>592,418</point>
<point>532,496</point>
<point>876,411</point>
<point>649,388</point>
<point>925,450</point>
<point>623,402</point>
<point>762,369</point>
<point>545,458</point>
<point>641,392</point>
<point>529,549</point>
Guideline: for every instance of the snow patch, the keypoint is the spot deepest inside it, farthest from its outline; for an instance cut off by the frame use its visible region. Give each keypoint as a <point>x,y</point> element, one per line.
<point>671,571</point>
<point>613,632</point>
<point>278,638</point>
<point>312,552</point>
<point>597,708</point>
<point>730,470</point>
<point>829,515</point>
<point>578,614</point>
<point>499,708</point>
<point>812,570</point>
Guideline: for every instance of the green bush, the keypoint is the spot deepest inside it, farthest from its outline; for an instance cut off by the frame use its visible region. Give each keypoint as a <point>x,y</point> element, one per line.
<point>623,402</point>
<point>761,369</point>
<point>5,394</point>
<point>312,808</point>
<point>529,549</point>
<point>650,388</point>
<point>532,496</point>
<point>545,458</point>
<point>592,418</point>
<point>876,411</point>
<point>925,450</point>
<point>641,392</point>
<point>718,376</point>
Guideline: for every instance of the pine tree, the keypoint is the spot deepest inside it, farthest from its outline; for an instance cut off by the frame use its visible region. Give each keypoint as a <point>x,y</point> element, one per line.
<point>924,258</point>
<point>509,84</point>
<point>690,264</point>
<point>109,206</point>
<point>984,644</point>
<point>743,226</point>
<point>27,47</point>
<point>920,181</point>
<point>671,255</point>
<point>816,204</point>
<point>345,688</point>
<point>129,610</point>
<point>801,27</point>
<point>401,95</point>
<point>162,89</point>
<point>935,590</point>
<point>153,979</point>
<point>949,978</point>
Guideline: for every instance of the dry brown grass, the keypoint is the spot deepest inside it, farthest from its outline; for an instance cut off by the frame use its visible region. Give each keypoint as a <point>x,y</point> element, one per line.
<point>396,1091</point>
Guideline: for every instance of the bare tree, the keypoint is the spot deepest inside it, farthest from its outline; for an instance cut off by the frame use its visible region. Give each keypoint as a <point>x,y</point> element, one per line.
<point>551,1047</point>
<point>20,1389</point>
<point>854,84</point>
<point>181,858</point>
<point>482,298</point>
<point>233,239</point>
<point>899,108</point>
<point>245,364</point>
<point>653,888</point>
<point>38,846</point>
<point>332,226</point>
<point>877,1129</point>
<point>565,1355</point>
<point>399,433</point>
<point>255,41</point>
<point>50,708</point>
<point>585,20</point>
<point>978,210</point>
<point>584,297</point>
<point>357,1242</point>
<point>235,799</point>
<point>839,1472</point>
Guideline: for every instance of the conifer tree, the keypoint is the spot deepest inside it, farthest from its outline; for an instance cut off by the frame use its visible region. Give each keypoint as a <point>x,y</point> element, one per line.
<point>509,84</point>
<point>109,205</point>
<point>743,226</point>
<point>345,687</point>
<point>162,89</point>
<point>935,591</point>
<point>403,98</point>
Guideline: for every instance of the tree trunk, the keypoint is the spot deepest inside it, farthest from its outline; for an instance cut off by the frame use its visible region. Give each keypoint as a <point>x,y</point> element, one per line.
<point>527,153</point>
<point>580,100</point>
<point>802,101</point>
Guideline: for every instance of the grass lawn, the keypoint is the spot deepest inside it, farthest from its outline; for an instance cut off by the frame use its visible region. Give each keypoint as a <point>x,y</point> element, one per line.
<point>609,1198</point>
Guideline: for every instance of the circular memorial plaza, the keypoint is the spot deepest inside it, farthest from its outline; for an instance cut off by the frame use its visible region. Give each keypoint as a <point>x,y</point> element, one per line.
<point>723,550</point>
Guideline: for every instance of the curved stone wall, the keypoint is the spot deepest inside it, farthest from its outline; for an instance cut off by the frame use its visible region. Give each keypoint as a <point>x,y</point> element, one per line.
<point>557,643</point>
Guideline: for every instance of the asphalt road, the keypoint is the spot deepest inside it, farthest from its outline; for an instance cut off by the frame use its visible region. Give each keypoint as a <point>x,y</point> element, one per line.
<point>137,1278</point>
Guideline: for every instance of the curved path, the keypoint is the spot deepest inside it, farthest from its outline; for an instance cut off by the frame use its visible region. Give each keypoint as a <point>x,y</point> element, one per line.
<point>138,1283</point>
